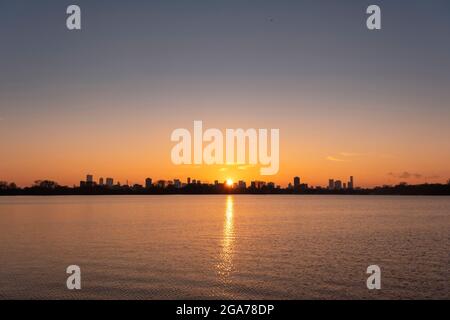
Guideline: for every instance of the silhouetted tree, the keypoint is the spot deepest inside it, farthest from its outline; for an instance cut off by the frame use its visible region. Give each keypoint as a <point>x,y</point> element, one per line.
<point>45,184</point>
<point>4,185</point>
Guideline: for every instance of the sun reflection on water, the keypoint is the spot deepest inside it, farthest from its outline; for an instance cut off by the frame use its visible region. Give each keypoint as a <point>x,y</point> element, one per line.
<point>225,265</point>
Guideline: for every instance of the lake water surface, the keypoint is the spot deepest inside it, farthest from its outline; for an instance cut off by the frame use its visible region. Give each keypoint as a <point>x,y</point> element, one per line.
<point>231,247</point>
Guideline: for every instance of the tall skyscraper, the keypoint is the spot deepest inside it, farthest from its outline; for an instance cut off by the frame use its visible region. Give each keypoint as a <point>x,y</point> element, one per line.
<point>89,178</point>
<point>109,182</point>
<point>331,184</point>
<point>100,181</point>
<point>296,182</point>
<point>148,183</point>
<point>338,184</point>
<point>350,183</point>
<point>188,180</point>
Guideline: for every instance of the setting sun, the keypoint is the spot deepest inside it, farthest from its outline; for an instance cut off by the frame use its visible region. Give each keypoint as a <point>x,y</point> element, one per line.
<point>229,182</point>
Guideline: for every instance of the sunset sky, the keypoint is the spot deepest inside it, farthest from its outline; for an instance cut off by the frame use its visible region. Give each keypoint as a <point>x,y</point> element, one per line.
<point>104,100</point>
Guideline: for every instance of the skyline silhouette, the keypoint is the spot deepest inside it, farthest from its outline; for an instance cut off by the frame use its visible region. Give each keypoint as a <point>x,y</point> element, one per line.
<point>194,186</point>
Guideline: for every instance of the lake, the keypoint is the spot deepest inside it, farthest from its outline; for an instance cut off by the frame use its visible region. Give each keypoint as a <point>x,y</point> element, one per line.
<point>225,247</point>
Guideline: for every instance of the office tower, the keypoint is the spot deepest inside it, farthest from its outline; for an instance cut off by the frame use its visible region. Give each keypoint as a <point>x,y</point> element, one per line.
<point>89,178</point>
<point>161,183</point>
<point>338,184</point>
<point>350,183</point>
<point>296,182</point>
<point>345,185</point>
<point>100,181</point>
<point>177,183</point>
<point>216,182</point>
<point>331,184</point>
<point>189,180</point>
<point>109,182</point>
<point>242,184</point>
<point>148,183</point>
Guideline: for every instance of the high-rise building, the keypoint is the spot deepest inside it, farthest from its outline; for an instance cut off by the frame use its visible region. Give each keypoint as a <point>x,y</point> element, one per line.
<point>148,183</point>
<point>296,182</point>
<point>242,184</point>
<point>177,183</point>
<point>351,183</point>
<point>161,183</point>
<point>338,184</point>
<point>189,180</point>
<point>100,181</point>
<point>331,184</point>
<point>89,178</point>
<point>109,182</point>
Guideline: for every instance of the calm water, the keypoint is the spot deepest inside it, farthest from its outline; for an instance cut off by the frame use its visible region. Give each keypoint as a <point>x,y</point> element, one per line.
<point>236,247</point>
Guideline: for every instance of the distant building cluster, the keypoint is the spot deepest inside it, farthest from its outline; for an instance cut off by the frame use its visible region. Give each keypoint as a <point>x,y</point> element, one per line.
<point>193,186</point>
<point>295,186</point>
<point>339,185</point>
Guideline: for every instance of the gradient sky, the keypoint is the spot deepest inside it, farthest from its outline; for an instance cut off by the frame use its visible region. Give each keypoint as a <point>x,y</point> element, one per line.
<point>104,100</point>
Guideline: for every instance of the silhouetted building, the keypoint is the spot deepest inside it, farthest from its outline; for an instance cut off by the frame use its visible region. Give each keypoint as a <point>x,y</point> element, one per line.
<point>148,183</point>
<point>177,183</point>
<point>331,184</point>
<point>351,183</point>
<point>242,184</point>
<point>100,181</point>
<point>188,180</point>
<point>296,182</point>
<point>338,185</point>
<point>161,183</point>
<point>303,186</point>
<point>109,182</point>
<point>89,178</point>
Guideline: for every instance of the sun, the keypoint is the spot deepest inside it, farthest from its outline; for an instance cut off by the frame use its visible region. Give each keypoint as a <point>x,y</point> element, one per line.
<point>229,182</point>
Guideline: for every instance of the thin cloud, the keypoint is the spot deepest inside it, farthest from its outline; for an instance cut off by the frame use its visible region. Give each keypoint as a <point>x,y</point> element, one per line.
<point>331,158</point>
<point>245,167</point>
<point>351,154</point>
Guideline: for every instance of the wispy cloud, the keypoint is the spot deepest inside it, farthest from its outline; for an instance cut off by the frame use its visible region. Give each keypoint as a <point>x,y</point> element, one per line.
<point>331,158</point>
<point>345,156</point>
<point>245,167</point>
<point>351,154</point>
